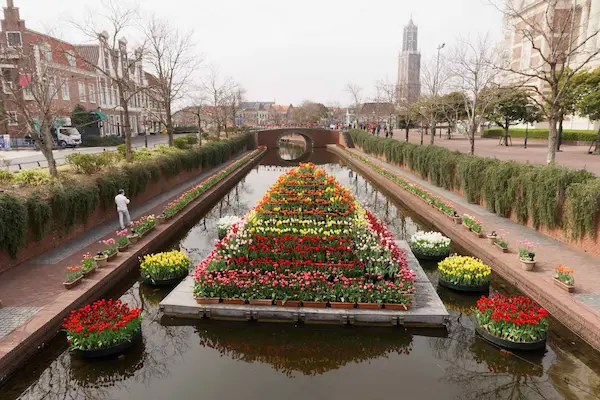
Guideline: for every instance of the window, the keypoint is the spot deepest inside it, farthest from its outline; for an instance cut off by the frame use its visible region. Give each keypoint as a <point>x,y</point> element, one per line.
<point>65,89</point>
<point>28,92</point>
<point>111,128</point>
<point>52,90</point>
<point>12,118</point>
<point>525,54</point>
<point>7,81</point>
<point>92,93</point>
<point>70,55</point>
<point>14,39</point>
<point>110,96</point>
<point>46,51</point>
<point>106,63</point>
<point>82,97</point>
<point>102,93</point>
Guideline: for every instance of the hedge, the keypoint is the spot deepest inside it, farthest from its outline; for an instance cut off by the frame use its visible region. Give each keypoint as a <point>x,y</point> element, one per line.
<point>66,204</point>
<point>568,134</point>
<point>551,197</point>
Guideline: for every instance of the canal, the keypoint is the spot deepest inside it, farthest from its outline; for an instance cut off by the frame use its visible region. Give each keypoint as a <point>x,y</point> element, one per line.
<point>228,360</point>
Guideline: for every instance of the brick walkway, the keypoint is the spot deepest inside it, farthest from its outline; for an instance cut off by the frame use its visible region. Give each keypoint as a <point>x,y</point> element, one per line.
<point>578,310</point>
<point>576,157</point>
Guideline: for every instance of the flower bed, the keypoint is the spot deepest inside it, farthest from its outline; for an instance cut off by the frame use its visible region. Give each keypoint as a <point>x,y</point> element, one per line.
<point>307,240</point>
<point>464,273</point>
<point>165,267</point>
<point>430,245</point>
<point>187,197</point>
<point>102,325</point>
<point>225,224</point>
<point>515,319</point>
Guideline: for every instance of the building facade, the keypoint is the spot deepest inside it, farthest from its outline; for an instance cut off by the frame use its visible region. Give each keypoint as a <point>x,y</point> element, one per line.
<point>409,65</point>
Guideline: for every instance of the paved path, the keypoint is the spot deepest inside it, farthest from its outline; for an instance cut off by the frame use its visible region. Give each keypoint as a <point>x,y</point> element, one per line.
<point>576,157</point>
<point>27,288</point>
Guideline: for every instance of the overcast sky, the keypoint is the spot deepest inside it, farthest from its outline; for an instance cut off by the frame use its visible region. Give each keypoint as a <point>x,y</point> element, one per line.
<point>296,50</point>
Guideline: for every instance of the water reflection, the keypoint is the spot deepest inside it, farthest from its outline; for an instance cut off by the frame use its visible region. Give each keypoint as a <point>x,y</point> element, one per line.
<point>292,147</point>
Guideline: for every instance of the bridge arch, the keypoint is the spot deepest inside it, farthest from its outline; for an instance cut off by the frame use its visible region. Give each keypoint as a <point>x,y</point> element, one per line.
<point>315,138</point>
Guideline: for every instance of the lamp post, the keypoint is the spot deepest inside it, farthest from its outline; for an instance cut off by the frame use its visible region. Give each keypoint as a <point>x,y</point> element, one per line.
<point>528,118</point>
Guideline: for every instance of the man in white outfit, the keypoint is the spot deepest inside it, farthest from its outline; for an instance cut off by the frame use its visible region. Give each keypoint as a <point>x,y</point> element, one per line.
<point>121,201</point>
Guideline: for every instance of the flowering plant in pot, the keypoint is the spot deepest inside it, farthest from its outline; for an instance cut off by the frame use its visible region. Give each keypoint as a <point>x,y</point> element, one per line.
<point>564,278</point>
<point>471,223</point>
<point>527,254</point>
<point>512,319</point>
<point>89,263</point>
<point>492,237</point>
<point>225,224</point>
<point>430,245</point>
<point>110,249</point>
<point>122,239</point>
<point>501,241</point>
<point>74,276</point>
<point>144,225</point>
<point>102,325</point>
<point>464,273</point>
<point>163,267</point>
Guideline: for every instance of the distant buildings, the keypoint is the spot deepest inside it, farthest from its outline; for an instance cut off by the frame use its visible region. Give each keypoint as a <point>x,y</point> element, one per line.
<point>409,66</point>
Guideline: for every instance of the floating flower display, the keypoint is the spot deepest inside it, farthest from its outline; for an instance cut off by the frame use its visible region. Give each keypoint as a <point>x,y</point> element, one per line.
<point>430,245</point>
<point>171,265</point>
<point>464,273</point>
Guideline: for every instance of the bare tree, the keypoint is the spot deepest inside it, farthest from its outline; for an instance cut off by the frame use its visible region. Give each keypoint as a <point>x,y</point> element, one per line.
<point>559,42</point>
<point>388,93</point>
<point>435,76</point>
<point>169,53</point>
<point>473,69</point>
<point>233,102</point>
<point>119,64</point>
<point>217,91</point>
<point>32,90</point>
<point>357,98</point>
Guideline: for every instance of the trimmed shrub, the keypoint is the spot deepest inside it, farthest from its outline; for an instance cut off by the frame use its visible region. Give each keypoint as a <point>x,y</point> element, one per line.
<point>13,224</point>
<point>568,134</point>
<point>181,143</point>
<point>185,129</point>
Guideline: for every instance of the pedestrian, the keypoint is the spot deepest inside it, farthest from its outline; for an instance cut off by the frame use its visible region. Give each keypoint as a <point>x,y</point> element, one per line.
<point>121,201</point>
<point>378,129</point>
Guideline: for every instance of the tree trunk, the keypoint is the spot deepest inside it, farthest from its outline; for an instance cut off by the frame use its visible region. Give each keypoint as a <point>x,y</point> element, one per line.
<point>407,130</point>
<point>199,132</point>
<point>472,139</point>
<point>551,156</point>
<point>432,137</point>
<point>127,128</point>
<point>422,135</point>
<point>597,148</point>
<point>560,131</point>
<point>506,135</point>
<point>46,149</point>
<point>170,126</point>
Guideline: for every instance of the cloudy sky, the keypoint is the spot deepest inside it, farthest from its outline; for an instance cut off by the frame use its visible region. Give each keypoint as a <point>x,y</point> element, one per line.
<point>296,50</point>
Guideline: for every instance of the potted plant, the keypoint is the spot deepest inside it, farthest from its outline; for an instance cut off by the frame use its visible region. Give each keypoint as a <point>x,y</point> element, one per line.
<point>472,224</point>
<point>144,225</point>
<point>103,328</point>
<point>122,240</point>
<point>564,278</point>
<point>161,219</point>
<point>430,245</point>
<point>492,237</point>
<point>501,241</point>
<point>88,264</point>
<point>74,276</point>
<point>465,274</point>
<point>110,251</point>
<point>512,322</point>
<point>165,269</point>
<point>527,254</point>
<point>225,224</point>
<point>457,218</point>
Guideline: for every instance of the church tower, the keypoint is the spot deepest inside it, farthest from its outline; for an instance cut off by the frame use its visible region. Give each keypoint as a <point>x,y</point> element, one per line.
<point>409,65</point>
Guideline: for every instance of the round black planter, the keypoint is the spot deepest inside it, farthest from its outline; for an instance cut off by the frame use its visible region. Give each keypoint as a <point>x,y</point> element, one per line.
<point>509,344</point>
<point>110,351</point>
<point>464,288</point>
<point>430,258</point>
<point>164,282</point>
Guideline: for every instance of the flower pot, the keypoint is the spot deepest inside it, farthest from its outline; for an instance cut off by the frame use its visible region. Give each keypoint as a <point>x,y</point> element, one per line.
<point>509,344</point>
<point>527,265</point>
<point>478,234</point>
<point>492,239</point>
<point>468,228</point>
<point>133,239</point>
<point>339,304</point>
<point>464,288</point>
<point>112,256</point>
<point>207,300</point>
<point>101,260</point>
<point>397,307</point>
<point>430,257</point>
<point>110,351</point>
<point>457,220</point>
<point>91,271</point>
<point>123,248</point>
<point>68,285</point>
<point>161,219</point>
<point>164,282</point>
<point>564,286</point>
<point>504,249</point>
<point>261,302</point>
<point>288,303</point>
<point>314,304</point>
<point>369,306</point>
<point>234,301</point>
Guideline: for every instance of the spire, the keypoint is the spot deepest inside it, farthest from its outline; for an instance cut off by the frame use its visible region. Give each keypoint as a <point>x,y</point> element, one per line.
<point>10,4</point>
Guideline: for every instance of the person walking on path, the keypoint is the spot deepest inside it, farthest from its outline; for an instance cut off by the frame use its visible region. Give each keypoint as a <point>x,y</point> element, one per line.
<point>121,201</point>
<point>378,129</point>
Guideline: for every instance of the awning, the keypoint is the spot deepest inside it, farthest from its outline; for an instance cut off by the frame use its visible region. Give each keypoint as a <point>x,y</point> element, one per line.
<point>100,116</point>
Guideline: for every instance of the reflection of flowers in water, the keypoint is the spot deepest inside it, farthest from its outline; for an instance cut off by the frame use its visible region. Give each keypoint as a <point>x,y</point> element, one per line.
<point>308,350</point>
<point>460,303</point>
<point>107,372</point>
<point>152,295</point>
<point>505,362</point>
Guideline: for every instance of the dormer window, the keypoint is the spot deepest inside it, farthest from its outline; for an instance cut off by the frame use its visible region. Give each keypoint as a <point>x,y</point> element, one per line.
<point>46,51</point>
<point>14,39</point>
<point>71,58</point>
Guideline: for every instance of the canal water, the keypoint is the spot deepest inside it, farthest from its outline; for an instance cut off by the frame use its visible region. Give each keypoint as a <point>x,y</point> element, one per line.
<point>237,360</point>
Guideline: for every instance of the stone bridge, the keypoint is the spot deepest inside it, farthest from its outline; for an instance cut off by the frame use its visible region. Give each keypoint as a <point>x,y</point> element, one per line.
<point>315,137</point>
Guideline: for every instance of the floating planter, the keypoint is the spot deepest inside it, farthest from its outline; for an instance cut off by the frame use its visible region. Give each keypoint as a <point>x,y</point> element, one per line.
<point>527,255</point>
<point>512,322</point>
<point>74,276</point>
<point>430,245</point>
<point>564,278</point>
<point>225,224</point>
<point>465,274</point>
<point>308,239</point>
<point>164,269</point>
<point>103,329</point>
